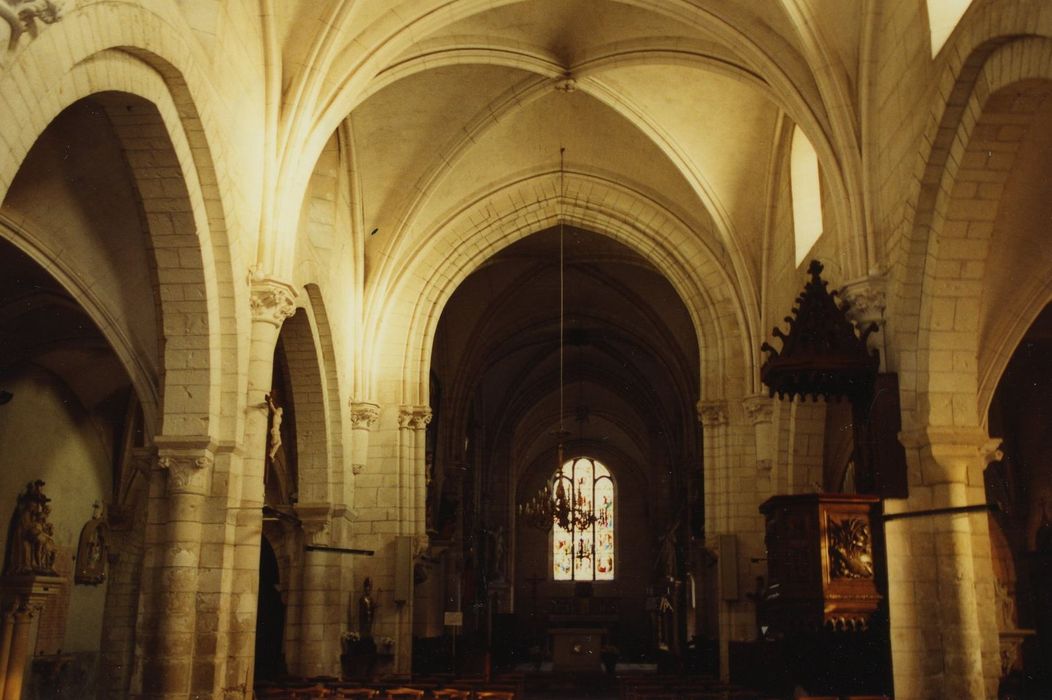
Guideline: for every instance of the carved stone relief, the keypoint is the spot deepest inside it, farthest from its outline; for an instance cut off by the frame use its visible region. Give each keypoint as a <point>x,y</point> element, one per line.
<point>271,300</point>
<point>186,473</point>
<point>26,16</point>
<point>414,418</point>
<point>712,413</point>
<point>364,415</point>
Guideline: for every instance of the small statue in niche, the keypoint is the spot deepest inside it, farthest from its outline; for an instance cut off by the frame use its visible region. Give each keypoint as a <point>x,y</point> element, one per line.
<point>665,622</point>
<point>429,486</point>
<point>1006,604</point>
<point>668,556</point>
<point>92,549</point>
<point>31,545</point>
<point>366,610</point>
<point>498,567</point>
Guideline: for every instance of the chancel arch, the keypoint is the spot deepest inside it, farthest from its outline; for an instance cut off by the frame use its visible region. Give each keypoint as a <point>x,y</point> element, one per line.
<point>665,243</point>
<point>514,400</point>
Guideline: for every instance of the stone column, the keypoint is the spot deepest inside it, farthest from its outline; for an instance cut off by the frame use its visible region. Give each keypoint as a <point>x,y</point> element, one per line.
<point>363,417</point>
<point>713,418</point>
<point>940,577</point>
<point>320,626</point>
<point>421,417</point>
<point>23,596</point>
<point>412,423</point>
<point>185,465</point>
<point>272,301</point>
<point>126,520</point>
<point>6,636</point>
<point>759,409</point>
<point>18,651</point>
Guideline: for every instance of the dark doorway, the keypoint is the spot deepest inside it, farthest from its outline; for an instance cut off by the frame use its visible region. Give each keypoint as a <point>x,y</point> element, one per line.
<point>270,617</point>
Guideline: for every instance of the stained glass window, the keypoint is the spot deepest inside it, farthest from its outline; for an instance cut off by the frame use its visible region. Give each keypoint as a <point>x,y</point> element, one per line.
<point>585,554</point>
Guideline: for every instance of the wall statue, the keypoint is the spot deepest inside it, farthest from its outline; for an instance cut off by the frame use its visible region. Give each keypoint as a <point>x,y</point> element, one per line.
<point>92,550</point>
<point>668,557</point>
<point>366,610</point>
<point>31,545</point>
<point>277,414</point>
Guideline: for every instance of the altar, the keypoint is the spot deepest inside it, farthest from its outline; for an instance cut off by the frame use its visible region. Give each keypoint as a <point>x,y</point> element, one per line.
<point>576,648</point>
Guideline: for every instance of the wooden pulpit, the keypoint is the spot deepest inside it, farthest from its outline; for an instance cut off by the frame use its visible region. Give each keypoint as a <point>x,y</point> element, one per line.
<point>821,562</point>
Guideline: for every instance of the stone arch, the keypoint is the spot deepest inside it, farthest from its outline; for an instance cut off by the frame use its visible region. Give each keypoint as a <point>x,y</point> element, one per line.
<point>100,62</point>
<point>37,248</point>
<point>480,229</point>
<point>331,388</point>
<point>479,358</point>
<point>955,223</point>
<point>309,397</point>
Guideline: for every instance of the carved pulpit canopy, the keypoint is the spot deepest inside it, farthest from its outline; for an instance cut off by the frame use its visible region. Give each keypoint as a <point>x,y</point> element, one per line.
<point>821,355</point>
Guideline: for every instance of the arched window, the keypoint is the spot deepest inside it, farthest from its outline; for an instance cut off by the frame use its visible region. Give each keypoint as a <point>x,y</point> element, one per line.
<point>807,194</point>
<point>943,18</point>
<point>585,554</point>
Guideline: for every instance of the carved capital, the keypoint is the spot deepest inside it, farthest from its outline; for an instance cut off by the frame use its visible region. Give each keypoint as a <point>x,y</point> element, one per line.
<point>947,454</point>
<point>364,415</point>
<point>142,459</point>
<point>188,462</point>
<point>315,519</point>
<point>271,300</point>
<point>357,469</point>
<point>414,417</point>
<point>23,16</point>
<point>421,417</point>
<point>866,300</point>
<point>712,414</point>
<point>758,408</point>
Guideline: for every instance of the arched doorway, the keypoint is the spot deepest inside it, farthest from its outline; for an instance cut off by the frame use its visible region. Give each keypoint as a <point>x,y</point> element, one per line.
<point>1019,489</point>
<point>270,617</point>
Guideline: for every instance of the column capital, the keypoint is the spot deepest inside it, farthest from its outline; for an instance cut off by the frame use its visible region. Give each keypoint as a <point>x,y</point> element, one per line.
<point>272,301</point>
<point>315,519</point>
<point>414,417</point>
<point>712,414</point>
<point>758,408</point>
<point>951,451</point>
<point>364,414</point>
<point>142,459</point>
<point>866,299</point>
<point>188,461</point>
<point>28,18</point>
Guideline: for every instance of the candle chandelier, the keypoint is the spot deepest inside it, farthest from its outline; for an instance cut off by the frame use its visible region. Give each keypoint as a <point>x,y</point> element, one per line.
<point>554,502</point>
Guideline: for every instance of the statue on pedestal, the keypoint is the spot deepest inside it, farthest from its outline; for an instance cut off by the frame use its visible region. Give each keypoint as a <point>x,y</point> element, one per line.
<point>31,547</point>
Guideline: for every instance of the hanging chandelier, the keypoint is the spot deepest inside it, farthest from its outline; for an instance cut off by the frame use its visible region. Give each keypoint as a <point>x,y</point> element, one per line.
<point>552,503</point>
